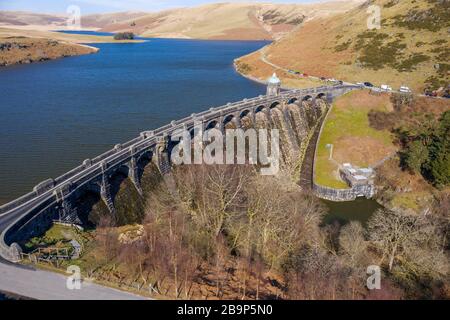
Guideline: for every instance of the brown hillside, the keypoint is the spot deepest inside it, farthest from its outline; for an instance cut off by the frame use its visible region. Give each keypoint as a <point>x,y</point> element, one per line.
<point>230,20</point>
<point>411,48</point>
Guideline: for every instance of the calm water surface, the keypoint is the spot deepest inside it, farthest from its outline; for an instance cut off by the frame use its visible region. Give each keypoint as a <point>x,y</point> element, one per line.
<point>360,210</point>
<point>55,114</point>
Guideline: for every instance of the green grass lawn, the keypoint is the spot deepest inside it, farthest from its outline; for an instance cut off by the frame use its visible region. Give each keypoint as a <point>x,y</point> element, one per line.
<point>348,121</point>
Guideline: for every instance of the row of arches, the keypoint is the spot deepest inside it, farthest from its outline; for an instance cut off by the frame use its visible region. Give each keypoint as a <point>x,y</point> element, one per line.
<point>215,123</point>
<point>117,175</point>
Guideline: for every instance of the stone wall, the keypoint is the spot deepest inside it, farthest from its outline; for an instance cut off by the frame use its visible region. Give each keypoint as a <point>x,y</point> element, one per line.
<point>343,194</point>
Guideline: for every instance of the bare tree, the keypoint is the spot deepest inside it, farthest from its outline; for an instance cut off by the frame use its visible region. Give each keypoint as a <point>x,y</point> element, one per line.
<point>411,239</point>
<point>106,238</point>
<point>353,244</point>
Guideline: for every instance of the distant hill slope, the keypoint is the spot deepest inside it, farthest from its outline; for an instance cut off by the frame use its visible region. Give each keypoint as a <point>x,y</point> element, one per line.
<point>229,20</point>
<point>54,21</point>
<point>411,47</point>
<point>106,19</point>
<point>238,21</point>
<point>19,18</point>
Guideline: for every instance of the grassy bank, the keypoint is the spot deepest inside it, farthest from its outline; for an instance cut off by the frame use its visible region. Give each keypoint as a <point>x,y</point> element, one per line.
<point>18,46</point>
<point>354,141</point>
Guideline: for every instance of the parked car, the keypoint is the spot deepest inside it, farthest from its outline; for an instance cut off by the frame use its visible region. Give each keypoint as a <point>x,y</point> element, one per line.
<point>368,84</point>
<point>385,87</point>
<point>360,84</point>
<point>405,89</point>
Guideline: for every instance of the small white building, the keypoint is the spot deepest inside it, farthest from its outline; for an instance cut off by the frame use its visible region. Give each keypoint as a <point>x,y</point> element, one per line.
<point>273,85</point>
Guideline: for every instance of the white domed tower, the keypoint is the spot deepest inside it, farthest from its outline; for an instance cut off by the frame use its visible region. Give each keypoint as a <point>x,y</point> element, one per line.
<point>273,85</point>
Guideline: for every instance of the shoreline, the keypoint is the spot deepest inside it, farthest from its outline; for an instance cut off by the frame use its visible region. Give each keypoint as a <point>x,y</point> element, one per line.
<point>254,79</point>
<point>19,50</point>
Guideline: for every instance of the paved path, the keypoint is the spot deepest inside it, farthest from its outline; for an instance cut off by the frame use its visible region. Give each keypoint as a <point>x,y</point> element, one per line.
<point>44,285</point>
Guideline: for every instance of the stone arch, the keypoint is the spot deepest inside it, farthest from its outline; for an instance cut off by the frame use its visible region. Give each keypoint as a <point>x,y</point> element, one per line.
<point>211,124</point>
<point>244,113</point>
<point>321,95</point>
<point>122,169</point>
<point>227,119</point>
<point>274,104</point>
<point>85,203</point>
<point>145,157</point>
<point>171,144</point>
<point>292,100</point>
<point>259,109</point>
<point>116,178</point>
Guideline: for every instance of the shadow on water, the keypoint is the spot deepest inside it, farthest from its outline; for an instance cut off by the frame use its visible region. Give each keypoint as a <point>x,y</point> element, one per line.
<point>360,210</point>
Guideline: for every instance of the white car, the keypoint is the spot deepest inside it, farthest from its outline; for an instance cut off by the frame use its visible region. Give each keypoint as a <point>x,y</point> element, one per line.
<point>405,89</point>
<point>385,87</point>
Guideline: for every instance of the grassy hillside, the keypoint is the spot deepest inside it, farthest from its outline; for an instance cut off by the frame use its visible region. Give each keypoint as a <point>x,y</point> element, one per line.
<point>27,50</point>
<point>410,48</point>
<point>229,20</point>
<point>354,141</point>
<point>40,21</point>
<point>240,21</point>
<point>19,18</point>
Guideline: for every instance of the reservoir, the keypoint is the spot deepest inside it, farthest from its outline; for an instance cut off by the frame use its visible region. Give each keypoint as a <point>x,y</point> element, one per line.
<point>57,113</point>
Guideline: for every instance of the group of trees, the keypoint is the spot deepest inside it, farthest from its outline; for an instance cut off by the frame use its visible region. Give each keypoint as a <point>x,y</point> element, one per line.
<point>427,149</point>
<point>423,135</point>
<point>228,232</point>
<point>124,36</point>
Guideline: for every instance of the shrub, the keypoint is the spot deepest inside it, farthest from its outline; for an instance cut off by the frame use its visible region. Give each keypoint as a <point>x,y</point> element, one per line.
<point>243,67</point>
<point>124,36</point>
<point>343,46</point>
<point>420,44</point>
<point>433,19</point>
<point>411,62</point>
<point>415,156</point>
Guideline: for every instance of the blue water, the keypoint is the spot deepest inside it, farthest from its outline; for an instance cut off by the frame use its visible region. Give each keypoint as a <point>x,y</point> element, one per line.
<point>55,114</point>
<point>95,33</point>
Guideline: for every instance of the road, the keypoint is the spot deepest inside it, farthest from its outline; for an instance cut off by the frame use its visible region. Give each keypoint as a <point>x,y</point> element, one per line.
<point>264,59</point>
<point>44,285</point>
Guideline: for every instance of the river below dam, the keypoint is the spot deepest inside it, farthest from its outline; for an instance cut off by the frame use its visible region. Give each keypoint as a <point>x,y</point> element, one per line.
<point>360,210</point>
